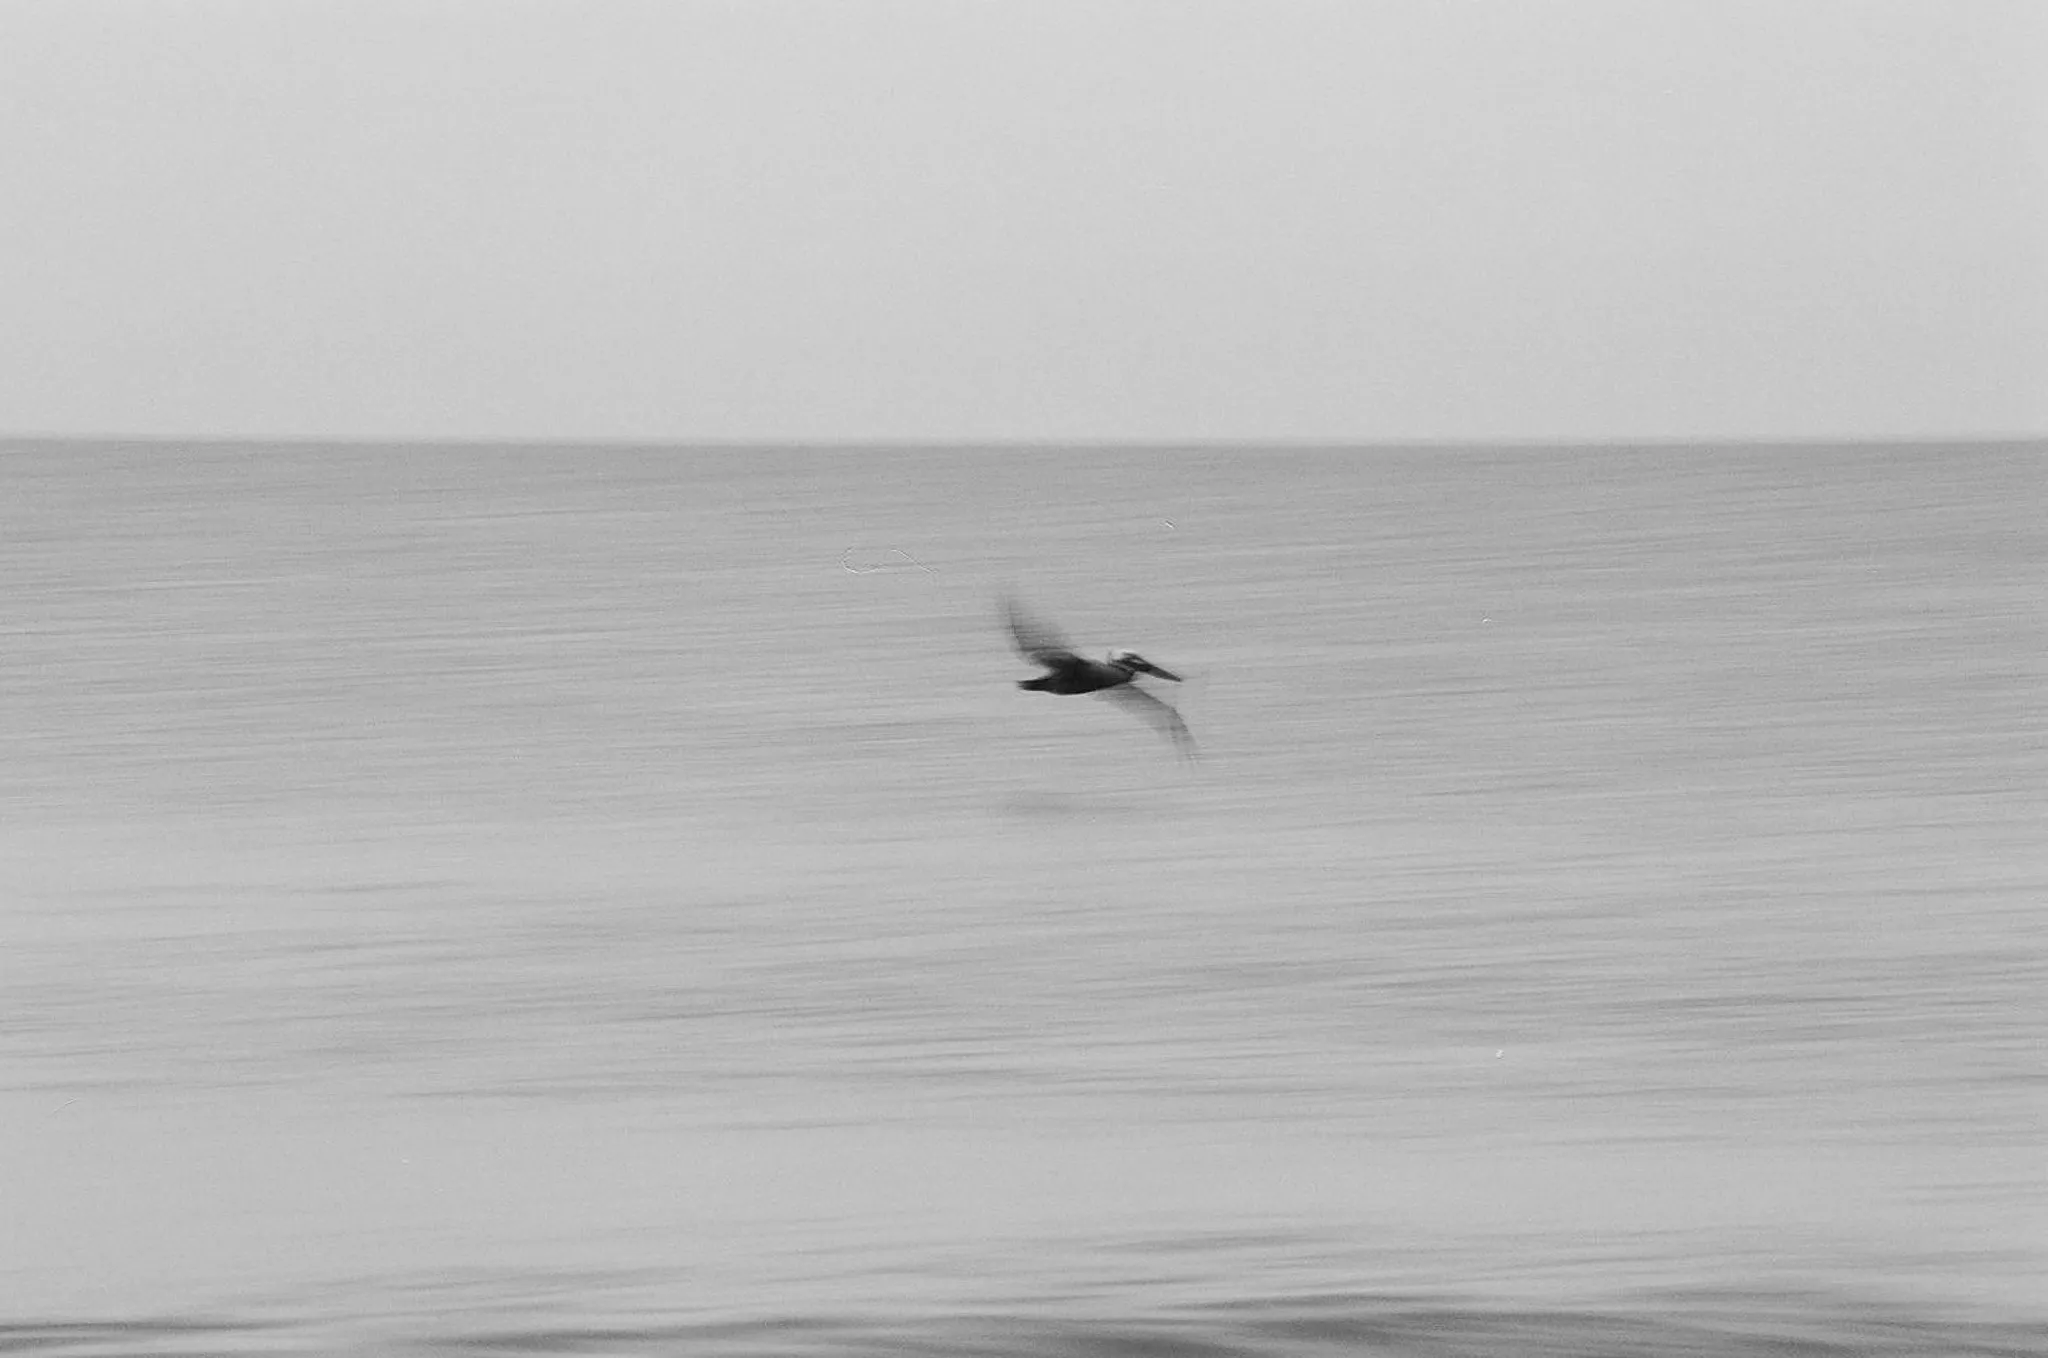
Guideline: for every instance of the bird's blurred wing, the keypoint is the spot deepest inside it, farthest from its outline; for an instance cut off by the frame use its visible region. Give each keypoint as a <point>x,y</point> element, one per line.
<point>1159,715</point>
<point>1035,639</point>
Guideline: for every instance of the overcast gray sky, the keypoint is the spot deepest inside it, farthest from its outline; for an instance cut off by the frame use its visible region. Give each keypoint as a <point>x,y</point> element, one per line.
<point>1024,219</point>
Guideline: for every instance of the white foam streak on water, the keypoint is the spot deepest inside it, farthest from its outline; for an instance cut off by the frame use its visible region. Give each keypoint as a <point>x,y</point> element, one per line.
<point>496,875</point>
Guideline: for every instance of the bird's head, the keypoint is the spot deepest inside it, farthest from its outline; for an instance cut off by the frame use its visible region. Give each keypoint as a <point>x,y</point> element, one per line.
<point>1138,664</point>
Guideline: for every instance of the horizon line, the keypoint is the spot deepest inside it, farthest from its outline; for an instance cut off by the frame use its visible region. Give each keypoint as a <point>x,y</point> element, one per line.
<point>926,444</point>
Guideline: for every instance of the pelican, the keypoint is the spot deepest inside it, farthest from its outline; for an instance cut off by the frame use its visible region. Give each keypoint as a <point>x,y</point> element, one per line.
<point>1066,672</point>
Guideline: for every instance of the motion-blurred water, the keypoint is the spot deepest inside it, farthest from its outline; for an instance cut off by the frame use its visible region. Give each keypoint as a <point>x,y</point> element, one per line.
<point>617,901</point>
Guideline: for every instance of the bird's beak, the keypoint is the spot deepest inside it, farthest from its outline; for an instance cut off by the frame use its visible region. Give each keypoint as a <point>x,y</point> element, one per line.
<point>1151,668</point>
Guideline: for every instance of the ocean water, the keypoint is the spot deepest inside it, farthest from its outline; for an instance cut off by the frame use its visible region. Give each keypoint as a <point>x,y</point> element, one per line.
<point>616,901</point>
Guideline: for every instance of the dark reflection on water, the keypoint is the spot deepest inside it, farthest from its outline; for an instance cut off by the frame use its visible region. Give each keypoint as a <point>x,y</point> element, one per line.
<point>1059,805</point>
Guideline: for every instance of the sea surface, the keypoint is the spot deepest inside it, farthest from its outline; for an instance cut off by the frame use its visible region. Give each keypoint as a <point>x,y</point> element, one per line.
<point>616,901</point>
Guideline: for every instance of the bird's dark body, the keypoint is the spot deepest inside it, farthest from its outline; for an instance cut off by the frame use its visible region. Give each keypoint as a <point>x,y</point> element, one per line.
<point>1078,676</point>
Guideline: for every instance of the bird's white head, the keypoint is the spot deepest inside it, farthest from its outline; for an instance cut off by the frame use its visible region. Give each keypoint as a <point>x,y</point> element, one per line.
<point>1138,664</point>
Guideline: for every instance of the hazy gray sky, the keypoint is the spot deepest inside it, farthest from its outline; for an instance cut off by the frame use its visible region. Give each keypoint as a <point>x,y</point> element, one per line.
<point>1070,219</point>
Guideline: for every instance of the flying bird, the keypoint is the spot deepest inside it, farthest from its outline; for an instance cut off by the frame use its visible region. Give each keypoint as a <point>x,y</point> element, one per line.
<point>1065,672</point>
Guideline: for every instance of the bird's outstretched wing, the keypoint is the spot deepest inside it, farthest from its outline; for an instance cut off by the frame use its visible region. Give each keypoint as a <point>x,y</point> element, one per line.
<point>1155,713</point>
<point>1035,639</point>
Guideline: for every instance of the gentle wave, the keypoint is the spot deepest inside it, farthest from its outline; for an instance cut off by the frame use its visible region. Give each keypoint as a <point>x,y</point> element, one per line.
<point>1725,1326</point>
